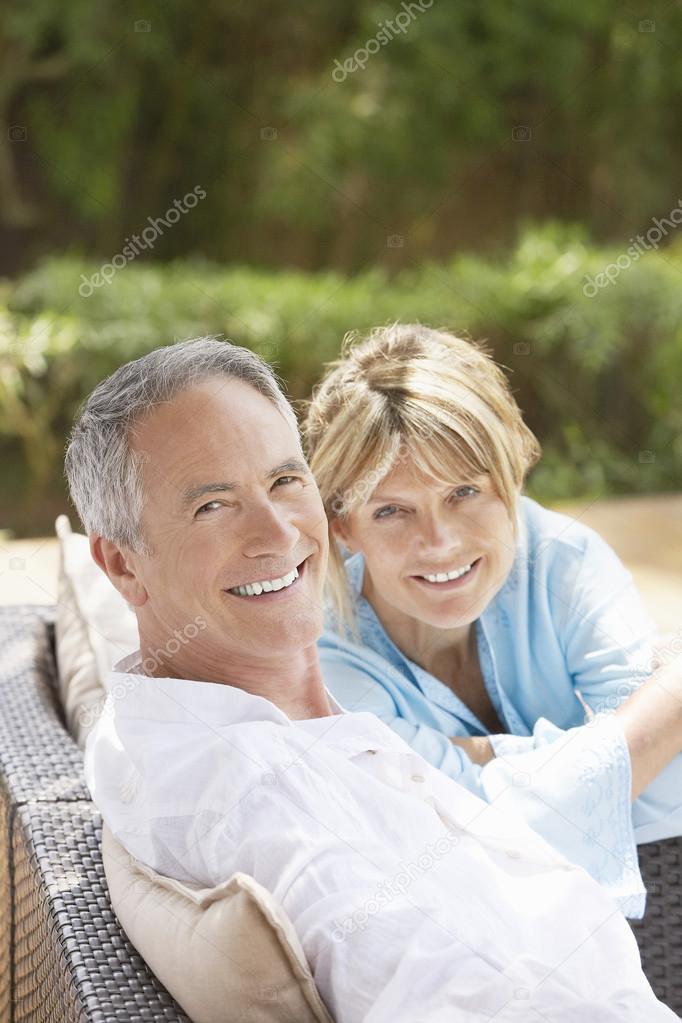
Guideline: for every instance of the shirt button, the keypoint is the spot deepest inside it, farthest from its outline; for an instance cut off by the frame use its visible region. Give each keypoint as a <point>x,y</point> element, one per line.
<point>418,778</point>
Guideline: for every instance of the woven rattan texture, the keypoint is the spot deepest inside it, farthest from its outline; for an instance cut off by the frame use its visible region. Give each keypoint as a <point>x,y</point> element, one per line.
<point>38,758</point>
<point>659,934</point>
<point>72,961</point>
<point>63,954</point>
<point>5,914</point>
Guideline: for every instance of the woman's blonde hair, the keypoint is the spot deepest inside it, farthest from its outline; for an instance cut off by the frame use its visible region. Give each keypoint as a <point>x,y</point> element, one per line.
<point>409,392</point>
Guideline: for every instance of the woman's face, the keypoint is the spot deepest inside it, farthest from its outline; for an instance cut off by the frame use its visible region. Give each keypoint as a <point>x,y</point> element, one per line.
<point>413,528</point>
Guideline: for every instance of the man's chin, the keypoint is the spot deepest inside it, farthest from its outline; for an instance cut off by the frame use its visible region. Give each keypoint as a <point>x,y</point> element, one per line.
<point>276,634</point>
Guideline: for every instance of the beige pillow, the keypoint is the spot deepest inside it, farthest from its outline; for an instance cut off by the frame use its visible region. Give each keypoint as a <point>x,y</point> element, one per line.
<point>226,954</point>
<point>94,628</point>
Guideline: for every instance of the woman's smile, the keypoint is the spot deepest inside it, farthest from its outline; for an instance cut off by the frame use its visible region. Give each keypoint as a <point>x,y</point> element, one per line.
<point>448,581</point>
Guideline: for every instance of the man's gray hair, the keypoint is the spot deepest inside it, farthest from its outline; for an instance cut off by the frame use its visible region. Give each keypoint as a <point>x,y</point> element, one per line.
<point>104,474</point>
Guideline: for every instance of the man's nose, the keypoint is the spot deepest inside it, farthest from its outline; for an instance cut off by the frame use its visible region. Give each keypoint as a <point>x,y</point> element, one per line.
<point>269,532</point>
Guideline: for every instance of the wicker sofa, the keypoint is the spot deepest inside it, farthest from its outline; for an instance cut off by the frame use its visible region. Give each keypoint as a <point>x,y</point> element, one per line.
<point>63,955</point>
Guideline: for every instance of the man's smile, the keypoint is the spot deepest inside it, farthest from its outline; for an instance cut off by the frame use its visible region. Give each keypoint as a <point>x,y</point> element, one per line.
<point>269,588</point>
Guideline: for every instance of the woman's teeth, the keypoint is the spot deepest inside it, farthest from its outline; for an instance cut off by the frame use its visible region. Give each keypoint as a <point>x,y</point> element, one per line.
<point>446,577</point>
<point>266,586</point>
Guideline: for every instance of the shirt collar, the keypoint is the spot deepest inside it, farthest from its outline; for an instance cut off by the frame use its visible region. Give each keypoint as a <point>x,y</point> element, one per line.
<point>133,693</point>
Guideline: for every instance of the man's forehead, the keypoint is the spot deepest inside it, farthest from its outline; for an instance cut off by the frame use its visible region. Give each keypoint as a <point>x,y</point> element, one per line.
<point>184,449</point>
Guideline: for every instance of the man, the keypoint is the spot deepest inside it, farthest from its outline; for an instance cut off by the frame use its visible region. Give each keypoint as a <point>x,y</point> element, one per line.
<point>413,900</point>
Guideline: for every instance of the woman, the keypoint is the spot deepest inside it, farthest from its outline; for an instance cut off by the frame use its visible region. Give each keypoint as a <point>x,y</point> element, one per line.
<point>483,628</point>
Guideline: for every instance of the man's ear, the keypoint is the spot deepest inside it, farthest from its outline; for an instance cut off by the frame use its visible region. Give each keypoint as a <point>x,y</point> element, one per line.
<point>118,566</point>
<point>340,531</point>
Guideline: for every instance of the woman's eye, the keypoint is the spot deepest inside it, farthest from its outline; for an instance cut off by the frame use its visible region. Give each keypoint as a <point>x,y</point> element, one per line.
<point>384,513</point>
<point>467,491</point>
<point>288,479</point>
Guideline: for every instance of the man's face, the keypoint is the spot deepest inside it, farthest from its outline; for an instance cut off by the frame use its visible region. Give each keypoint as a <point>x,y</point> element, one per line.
<point>228,502</point>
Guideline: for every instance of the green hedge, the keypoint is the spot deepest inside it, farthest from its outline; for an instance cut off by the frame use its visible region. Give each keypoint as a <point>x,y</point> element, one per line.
<point>598,377</point>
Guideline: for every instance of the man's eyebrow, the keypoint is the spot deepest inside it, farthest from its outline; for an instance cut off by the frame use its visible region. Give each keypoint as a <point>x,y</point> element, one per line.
<point>191,494</point>
<point>293,465</point>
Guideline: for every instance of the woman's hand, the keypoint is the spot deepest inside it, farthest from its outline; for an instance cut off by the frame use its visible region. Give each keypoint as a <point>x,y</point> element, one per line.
<point>476,747</point>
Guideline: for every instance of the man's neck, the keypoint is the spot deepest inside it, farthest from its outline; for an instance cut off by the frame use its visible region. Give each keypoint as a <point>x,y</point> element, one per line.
<point>293,682</point>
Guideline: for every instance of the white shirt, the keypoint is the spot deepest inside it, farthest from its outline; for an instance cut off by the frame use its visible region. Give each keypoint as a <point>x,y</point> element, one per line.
<point>414,901</point>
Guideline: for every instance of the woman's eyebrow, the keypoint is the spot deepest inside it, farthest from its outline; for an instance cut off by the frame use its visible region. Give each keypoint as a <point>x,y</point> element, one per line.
<point>377,499</point>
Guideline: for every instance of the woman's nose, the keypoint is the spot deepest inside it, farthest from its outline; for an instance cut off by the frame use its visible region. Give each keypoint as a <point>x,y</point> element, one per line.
<point>439,534</point>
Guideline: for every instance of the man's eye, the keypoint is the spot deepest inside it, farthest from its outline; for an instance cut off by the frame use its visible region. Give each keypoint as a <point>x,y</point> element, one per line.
<point>466,491</point>
<point>385,512</point>
<point>286,480</point>
<point>208,505</point>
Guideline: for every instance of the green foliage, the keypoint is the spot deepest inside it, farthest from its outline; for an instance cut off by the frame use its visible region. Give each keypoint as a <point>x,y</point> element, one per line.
<point>127,110</point>
<point>598,378</point>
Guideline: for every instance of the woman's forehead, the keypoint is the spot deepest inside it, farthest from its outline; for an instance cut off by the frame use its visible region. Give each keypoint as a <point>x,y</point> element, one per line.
<point>408,475</point>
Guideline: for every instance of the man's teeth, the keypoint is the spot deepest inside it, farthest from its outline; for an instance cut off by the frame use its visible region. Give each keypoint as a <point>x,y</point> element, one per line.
<point>255,589</point>
<point>446,577</point>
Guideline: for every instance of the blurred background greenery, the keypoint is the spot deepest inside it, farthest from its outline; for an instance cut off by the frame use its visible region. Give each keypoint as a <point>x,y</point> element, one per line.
<point>472,169</point>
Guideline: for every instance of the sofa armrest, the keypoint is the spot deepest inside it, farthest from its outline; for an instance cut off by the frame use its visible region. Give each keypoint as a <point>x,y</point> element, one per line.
<point>72,961</point>
<point>38,757</point>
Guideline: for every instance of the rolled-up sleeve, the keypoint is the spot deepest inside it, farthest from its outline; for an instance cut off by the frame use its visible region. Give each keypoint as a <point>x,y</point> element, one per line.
<point>609,641</point>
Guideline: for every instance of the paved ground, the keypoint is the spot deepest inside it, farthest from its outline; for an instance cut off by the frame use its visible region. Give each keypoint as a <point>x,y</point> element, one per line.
<point>645,531</point>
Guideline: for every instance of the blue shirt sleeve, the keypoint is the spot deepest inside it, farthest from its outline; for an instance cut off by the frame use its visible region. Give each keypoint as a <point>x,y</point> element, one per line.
<point>609,639</point>
<point>606,632</point>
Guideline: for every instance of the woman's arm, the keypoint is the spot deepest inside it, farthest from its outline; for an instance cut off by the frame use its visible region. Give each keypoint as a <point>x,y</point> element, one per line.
<point>651,720</point>
<point>477,747</point>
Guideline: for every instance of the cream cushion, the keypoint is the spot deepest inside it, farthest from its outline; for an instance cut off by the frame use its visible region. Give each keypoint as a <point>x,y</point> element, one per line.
<point>94,628</point>
<point>225,954</point>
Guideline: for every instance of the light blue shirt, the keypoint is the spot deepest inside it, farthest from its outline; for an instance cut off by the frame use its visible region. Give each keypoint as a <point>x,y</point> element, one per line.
<point>567,630</point>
